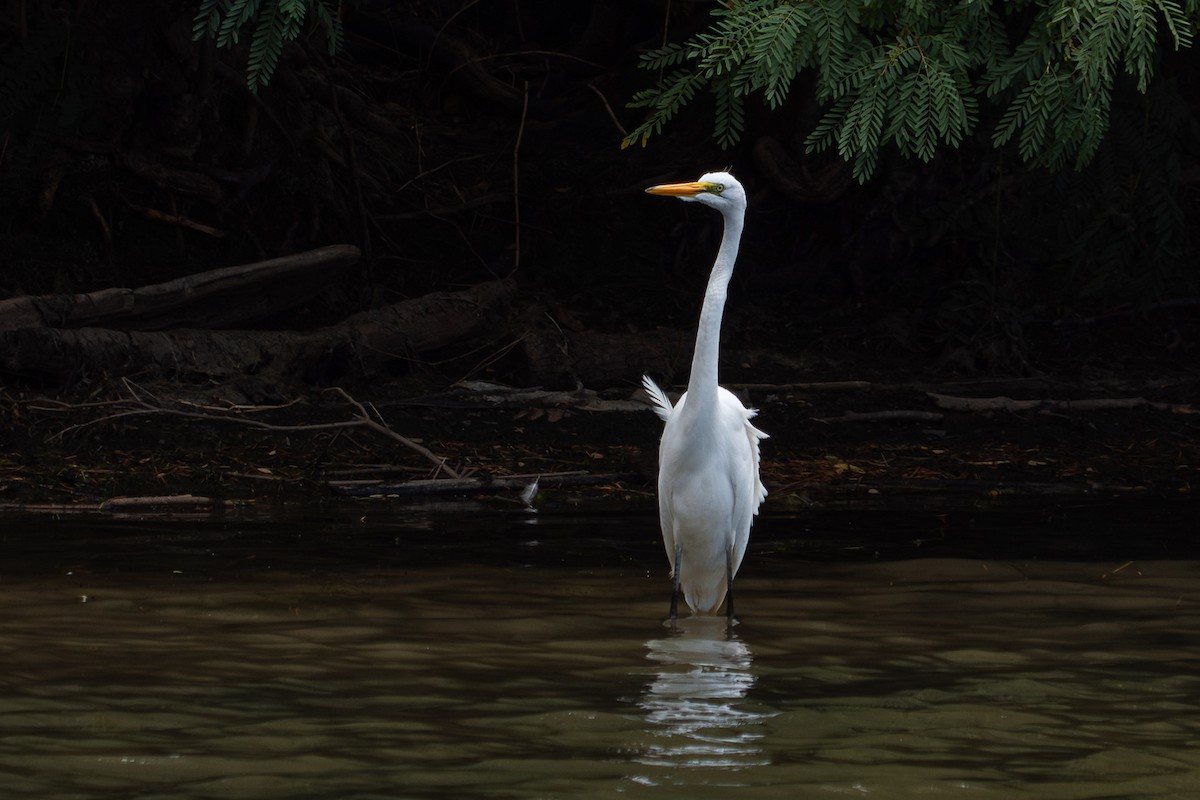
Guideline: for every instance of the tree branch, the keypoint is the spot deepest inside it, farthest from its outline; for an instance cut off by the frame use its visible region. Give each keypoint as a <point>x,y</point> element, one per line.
<point>143,403</point>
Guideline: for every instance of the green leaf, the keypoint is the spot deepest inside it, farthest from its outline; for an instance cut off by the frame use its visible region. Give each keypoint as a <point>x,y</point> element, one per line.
<point>237,14</point>
<point>918,74</point>
<point>730,115</point>
<point>274,22</point>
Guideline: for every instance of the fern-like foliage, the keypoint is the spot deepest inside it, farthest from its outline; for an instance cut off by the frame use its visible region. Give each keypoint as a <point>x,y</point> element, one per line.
<point>912,75</point>
<point>274,23</point>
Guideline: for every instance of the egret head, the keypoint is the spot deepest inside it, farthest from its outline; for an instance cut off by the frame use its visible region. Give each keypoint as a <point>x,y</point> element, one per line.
<point>720,190</point>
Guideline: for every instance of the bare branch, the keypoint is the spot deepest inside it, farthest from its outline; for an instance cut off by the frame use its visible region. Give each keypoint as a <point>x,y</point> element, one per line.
<point>142,402</point>
<point>383,429</point>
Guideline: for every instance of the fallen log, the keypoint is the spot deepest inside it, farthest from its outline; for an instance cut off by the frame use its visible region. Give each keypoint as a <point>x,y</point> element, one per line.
<point>176,502</point>
<point>953,403</point>
<point>357,345</point>
<point>220,298</point>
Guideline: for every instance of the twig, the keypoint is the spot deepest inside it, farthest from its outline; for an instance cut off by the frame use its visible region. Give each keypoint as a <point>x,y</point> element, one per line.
<point>621,128</point>
<point>235,78</point>
<point>178,219</point>
<point>96,213</point>
<point>242,408</point>
<point>352,168</point>
<point>61,407</point>
<point>142,408</point>
<point>451,18</point>
<point>422,173</point>
<point>517,183</point>
<point>384,430</point>
<point>443,211</point>
<point>1118,569</point>
<point>137,405</point>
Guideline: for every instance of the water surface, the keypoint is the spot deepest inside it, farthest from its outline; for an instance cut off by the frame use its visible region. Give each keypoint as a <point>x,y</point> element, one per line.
<point>468,652</point>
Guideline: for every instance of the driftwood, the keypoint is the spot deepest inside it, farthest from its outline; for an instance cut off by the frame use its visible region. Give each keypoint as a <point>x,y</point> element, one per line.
<point>475,485</point>
<point>175,502</point>
<point>360,342</point>
<point>181,505</point>
<point>952,403</point>
<point>219,298</point>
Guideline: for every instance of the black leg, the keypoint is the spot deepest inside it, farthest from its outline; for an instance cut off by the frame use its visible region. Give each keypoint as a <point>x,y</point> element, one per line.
<point>675,582</point>
<point>729,586</point>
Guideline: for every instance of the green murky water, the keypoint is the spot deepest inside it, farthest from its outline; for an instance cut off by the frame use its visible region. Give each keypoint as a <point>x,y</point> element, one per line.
<point>464,652</point>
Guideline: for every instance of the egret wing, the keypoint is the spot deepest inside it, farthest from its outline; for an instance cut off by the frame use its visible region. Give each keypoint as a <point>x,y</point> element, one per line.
<point>749,491</point>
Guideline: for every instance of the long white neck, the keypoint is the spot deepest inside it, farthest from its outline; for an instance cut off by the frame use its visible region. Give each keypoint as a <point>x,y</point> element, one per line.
<point>702,385</point>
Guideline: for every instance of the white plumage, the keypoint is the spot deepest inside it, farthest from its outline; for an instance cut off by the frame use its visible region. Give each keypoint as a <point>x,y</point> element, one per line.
<point>708,481</point>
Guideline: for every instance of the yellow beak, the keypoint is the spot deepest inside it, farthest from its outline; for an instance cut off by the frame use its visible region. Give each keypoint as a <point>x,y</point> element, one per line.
<point>679,189</point>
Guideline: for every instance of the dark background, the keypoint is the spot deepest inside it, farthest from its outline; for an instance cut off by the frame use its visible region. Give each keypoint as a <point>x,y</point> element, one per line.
<point>132,155</point>
<point>405,144</point>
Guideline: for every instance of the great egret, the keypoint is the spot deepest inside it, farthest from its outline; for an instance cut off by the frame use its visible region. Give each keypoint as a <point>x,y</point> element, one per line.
<point>708,484</point>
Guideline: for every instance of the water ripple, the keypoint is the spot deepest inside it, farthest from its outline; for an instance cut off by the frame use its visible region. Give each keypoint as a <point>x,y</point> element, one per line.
<point>923,678</point>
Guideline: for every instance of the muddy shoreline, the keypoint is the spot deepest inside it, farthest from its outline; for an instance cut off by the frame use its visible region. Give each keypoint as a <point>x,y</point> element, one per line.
<point>833,441</point>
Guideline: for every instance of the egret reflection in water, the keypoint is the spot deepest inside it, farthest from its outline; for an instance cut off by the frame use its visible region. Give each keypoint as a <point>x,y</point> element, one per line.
<point>695,705</point>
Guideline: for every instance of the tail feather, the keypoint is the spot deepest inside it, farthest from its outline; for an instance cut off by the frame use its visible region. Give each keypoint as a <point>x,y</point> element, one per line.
<point>662,404</point>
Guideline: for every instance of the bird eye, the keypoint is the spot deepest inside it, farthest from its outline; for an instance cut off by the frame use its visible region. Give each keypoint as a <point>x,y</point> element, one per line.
<point>718,188</point>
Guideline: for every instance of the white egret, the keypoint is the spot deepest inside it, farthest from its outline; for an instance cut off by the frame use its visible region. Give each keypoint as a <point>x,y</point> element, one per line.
<point>708,483</point>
